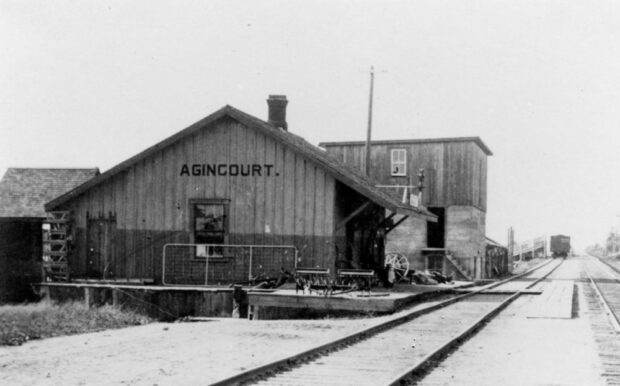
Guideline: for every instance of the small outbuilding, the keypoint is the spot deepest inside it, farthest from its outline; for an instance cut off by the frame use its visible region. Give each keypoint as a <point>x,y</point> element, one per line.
<point>229,198</point>
<point>23,192</point>
<point>498,263</point>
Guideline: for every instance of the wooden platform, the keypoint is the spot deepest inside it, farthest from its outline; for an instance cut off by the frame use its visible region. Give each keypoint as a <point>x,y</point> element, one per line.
<point>286,304</point>
<point>161,302</point>
<point>556,301</point>
<point>375,302</point>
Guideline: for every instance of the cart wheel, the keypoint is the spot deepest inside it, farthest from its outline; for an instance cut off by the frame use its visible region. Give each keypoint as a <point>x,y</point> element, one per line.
<point>400,264</point>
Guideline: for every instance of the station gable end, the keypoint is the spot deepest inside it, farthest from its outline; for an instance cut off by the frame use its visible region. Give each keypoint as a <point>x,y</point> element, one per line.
<point>272,195</point>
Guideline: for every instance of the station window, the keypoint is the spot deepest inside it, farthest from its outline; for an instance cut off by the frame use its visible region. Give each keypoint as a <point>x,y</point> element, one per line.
<point>209,226</point>
<point>399,162</point>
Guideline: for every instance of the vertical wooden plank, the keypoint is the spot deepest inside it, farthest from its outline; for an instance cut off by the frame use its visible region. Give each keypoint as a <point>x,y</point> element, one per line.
<point>80,212</point>
<point>438,174</point>
<point>196,157</point>
<point>270,191</point>
<point>157,215</point>
<point>358,159</point>
<point>141,182</point>
<point>89,200</point>
<point>119,208</point>
<point>259,197</point>
<point>109,214</point>
<point>299,207</point>
<point>467,176</point>
<point>78,257</point>
<point>147,215</point>
<point>163,201</point>
<point>329,213</point>
<point>209,146</point>
<point>483,183</point>
<point>310,214</point>
<point>168,200</point>
<point>188,155</point>
<point>446,174</point>
<point>222,154</point>
<point>180,183</point>
<point>160,200</point>
<point>239,200</point>
<point>147,197</point>
<point>289,187</point>
<point>132,223</point>
<point>247,191</point>
<point>319,216</point>
<point>107,197</point>
<point>278,197</point>
<point>137,191</point>
<point>234,157</point>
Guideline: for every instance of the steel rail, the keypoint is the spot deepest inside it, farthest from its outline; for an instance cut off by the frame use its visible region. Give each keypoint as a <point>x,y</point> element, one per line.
<point>606,263</point>
<point>364,333</point>
<point>615,321</point>
<point>454,342</point>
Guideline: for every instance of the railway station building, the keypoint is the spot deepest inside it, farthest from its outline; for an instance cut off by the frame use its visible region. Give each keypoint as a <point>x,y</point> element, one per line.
<point>454,188</point>
<point>245,195</point>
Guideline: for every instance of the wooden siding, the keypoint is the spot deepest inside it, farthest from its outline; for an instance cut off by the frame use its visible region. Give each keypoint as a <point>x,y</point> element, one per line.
<point>150,200</point>
<point>456,172</point>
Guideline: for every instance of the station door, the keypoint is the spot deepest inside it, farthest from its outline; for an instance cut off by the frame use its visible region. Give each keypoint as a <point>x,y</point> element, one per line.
<point>101,250</point>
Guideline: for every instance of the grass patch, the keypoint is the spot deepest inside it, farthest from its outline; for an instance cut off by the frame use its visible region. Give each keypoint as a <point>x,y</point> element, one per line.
<point>21,323</point>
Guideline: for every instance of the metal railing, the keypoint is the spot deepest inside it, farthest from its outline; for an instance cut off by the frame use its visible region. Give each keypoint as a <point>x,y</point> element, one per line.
<point>203,264</point>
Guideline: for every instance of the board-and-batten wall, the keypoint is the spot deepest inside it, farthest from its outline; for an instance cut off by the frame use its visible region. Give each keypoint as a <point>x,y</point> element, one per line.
<point>293,206</point>
<point>455,171</point>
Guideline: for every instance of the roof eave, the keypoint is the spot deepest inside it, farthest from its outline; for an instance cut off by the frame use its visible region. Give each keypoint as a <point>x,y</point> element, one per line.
<point>477,140</point>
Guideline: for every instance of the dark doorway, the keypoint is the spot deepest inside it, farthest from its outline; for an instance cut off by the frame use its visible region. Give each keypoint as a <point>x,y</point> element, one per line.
<point>436,231</point>
<point>101,232</point>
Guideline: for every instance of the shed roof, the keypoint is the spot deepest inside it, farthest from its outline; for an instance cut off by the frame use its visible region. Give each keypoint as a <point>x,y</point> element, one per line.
<point>490,241</point>
<point>341,172</point>
<point>24,191</point>
<point>476,140</point>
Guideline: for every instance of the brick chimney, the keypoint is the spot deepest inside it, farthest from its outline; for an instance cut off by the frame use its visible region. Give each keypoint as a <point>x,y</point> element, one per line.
<point>277,111</point>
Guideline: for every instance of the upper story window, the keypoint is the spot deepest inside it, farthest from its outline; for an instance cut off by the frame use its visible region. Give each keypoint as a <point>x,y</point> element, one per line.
<point>209,225</point>
<point>399,162</point>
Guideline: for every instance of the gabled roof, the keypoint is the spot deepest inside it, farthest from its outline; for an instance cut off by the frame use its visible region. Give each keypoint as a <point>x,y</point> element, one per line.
<point>397,142</point>
<point>344,174</point>
<point>24,191</point>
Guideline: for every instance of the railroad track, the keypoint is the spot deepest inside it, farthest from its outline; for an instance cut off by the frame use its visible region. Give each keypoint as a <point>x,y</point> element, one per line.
<point>603,297</point>
<point>413,341</point>
<point>605,280</point>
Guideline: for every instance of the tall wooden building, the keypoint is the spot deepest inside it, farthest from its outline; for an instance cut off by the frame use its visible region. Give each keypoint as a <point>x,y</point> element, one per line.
<point>455,190</point>
<point>229,179</point>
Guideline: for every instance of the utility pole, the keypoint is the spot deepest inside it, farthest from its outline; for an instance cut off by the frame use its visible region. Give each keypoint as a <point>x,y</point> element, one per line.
<point>368,132</point>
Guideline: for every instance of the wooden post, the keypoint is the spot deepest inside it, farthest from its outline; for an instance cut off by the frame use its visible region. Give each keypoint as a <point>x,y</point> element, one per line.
<point>369,130</point>
<point>87,300</point>
<point>115,297</point>
<point>238,296</point>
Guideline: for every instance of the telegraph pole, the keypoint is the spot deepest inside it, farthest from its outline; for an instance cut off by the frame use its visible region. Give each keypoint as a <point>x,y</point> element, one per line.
<point>368,132</point>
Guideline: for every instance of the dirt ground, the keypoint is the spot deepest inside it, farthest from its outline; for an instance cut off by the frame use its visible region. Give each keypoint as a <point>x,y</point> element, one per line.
<point>165,354</point>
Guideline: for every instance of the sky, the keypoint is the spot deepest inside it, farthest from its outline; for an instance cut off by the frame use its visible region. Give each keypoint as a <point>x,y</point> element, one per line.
<point>92,83</point>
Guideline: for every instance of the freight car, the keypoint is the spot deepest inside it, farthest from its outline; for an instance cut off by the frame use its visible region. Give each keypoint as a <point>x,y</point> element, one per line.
<point>560,245</point>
